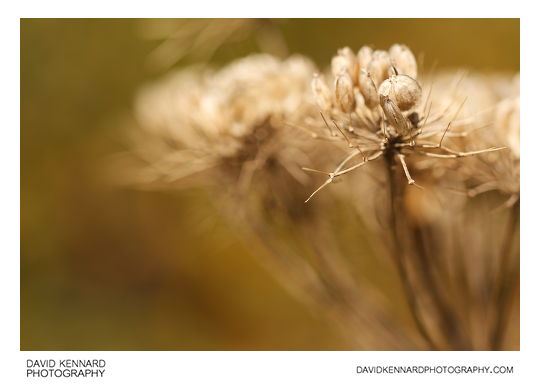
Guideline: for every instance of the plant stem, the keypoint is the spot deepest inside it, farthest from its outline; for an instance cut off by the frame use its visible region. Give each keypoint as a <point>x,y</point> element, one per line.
<point>398,253</point>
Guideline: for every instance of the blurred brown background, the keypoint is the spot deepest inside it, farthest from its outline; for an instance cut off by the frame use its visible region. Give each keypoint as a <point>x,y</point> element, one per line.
<point>104,267</point>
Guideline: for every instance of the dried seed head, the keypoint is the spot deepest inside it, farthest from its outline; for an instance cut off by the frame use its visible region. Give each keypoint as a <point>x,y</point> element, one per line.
<point>403,59</point>
<point>379,66</point>
<point>507,123</point>
<point>365,54</point>
<point>322,93</point>
<point>218,113</point>
<point>345,92</point>
<point>403,90</point>
<point>368,89</point>
<point>345,60</point>
<point>394,116</point>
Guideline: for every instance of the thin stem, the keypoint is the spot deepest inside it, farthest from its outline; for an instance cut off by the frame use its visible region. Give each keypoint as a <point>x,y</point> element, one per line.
<point>398,252</point>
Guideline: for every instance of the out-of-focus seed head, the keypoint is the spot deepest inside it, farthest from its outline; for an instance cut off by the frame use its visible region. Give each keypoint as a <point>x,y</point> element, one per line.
<point>403,90</point>
<point>368,89</point>
<point>322,93</point>
<point>507,123</point>
<point>344,92</point>
<point>379,66</point>
<point>403,59</point>
<point>365,54</point>
<point>345,60</point>
<point>394,116</point>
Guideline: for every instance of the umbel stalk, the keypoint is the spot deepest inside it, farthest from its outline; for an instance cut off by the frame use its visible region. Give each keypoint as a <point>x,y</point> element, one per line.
<point>417,269</point>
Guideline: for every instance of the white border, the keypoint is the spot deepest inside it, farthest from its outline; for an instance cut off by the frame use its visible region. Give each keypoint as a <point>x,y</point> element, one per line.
<point>268,367</point>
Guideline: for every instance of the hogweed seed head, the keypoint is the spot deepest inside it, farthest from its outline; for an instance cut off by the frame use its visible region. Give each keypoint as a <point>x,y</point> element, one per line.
<point>385,114</point>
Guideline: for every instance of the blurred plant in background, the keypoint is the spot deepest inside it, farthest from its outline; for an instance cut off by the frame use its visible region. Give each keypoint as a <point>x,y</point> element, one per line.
<point>199,39</point>
<point>163,270</point>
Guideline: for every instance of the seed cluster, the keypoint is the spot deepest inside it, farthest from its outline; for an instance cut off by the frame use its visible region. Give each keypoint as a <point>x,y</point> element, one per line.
<point>369,79</point>
<point>376,105</point>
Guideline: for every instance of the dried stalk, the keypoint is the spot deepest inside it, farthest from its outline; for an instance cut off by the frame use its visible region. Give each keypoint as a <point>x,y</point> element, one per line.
<point>395,196</point>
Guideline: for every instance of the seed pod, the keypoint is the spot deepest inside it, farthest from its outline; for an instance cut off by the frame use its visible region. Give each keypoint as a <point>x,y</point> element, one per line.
<point>403,59</point>
<point>322,93</point>
<point>379,66</point>
<point>394,116</point>
<point>403,90</point>
<point>344,92</point>
<point>365,54</point>
<point>368,89</point>
<point>345,60</point>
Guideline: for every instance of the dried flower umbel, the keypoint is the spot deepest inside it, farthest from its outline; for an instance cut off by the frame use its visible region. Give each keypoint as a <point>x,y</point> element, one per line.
<point>386,115</point>
<point>391,122</point>
<point>241,131</point>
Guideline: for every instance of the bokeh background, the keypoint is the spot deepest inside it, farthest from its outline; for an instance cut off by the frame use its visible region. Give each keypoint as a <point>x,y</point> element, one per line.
<point>107,267</point>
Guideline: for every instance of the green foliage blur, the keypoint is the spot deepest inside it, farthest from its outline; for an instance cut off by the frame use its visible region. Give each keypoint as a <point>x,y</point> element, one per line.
<point>114,268</point>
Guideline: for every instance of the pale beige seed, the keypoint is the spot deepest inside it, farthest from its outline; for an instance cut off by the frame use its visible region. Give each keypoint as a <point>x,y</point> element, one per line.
<point>345,60</point>
<point>379,66</point>
<point>321,92</point>
<point>344,92</point>
<point>365,54</point>
<point>403,59</point>
<point>339,64</point>
<point>403,90</point>
<point>368,89</point>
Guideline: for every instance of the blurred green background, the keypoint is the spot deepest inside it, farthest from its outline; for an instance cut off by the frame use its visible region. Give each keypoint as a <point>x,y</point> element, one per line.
<point>104,267</point>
